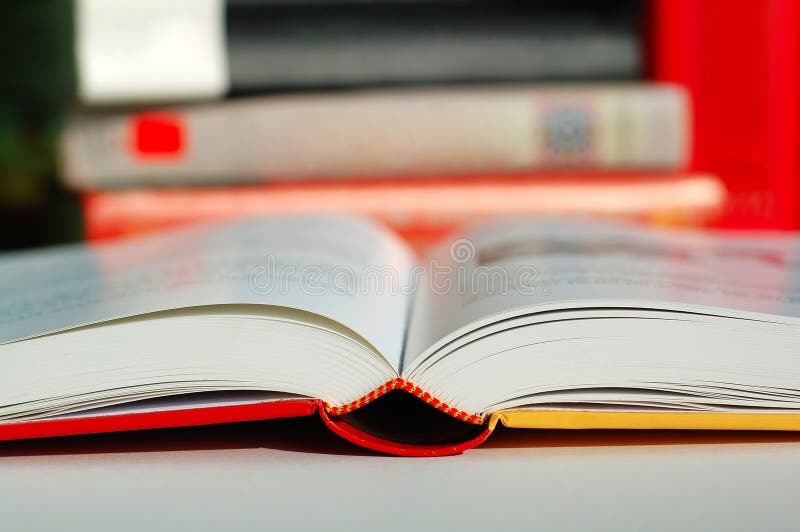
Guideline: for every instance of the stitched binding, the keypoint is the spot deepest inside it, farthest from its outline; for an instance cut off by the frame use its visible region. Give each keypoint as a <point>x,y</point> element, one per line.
<point>406,386</point>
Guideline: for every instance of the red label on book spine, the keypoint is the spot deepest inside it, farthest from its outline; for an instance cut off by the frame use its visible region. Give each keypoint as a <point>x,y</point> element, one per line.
<point>157,135</point>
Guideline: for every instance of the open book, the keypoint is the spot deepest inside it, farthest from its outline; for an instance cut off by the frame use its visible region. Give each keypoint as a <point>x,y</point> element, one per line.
<point>530,323</point>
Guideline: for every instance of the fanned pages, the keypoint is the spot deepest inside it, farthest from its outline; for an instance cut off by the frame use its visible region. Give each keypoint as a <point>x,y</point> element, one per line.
<point>246,306</point>
<point>528,322</point>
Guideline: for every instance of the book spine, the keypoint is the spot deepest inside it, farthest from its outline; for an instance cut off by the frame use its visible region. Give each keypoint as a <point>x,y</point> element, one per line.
<point>381,133</point>
<point>421,211</point>
<point>149,50</point>
<point>357,44</point>
<point>356,433</point>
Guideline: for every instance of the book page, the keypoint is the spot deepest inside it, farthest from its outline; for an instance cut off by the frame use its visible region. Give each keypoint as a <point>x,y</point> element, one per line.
<point>499,269</point>
<point>340,268</point>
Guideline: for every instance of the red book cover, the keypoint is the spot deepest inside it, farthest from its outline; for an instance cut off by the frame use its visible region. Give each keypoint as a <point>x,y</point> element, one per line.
<point>423,210</point>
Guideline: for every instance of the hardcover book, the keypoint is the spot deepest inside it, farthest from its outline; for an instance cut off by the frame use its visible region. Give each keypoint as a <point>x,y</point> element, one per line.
<point>381,133</point>
<point>148,50</point>
<point>423,211</point>
<point>529,323</point>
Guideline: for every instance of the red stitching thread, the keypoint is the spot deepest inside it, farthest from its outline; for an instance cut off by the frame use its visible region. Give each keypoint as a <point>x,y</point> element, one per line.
<point>402,384</point>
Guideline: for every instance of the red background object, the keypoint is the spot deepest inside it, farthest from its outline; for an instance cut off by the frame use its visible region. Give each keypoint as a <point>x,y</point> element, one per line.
<point>739,60</point>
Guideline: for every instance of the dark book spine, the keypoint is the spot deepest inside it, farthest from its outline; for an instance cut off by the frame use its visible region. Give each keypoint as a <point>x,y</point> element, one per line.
<point>365,44</point>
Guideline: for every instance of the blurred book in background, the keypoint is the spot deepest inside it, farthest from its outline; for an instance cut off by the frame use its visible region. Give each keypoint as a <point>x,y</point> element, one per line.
<point>151,50</point>
<point>382,133</point>
<point>423,211</point>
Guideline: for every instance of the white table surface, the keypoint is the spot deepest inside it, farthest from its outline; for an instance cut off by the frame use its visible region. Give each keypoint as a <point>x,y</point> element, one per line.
<point>281,474</point>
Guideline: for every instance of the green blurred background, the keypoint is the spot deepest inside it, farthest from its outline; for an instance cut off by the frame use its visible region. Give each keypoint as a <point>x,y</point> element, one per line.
<point>37,84</point>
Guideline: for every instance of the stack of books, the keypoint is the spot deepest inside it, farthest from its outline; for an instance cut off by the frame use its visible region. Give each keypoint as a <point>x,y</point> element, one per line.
<point>424,115</point>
